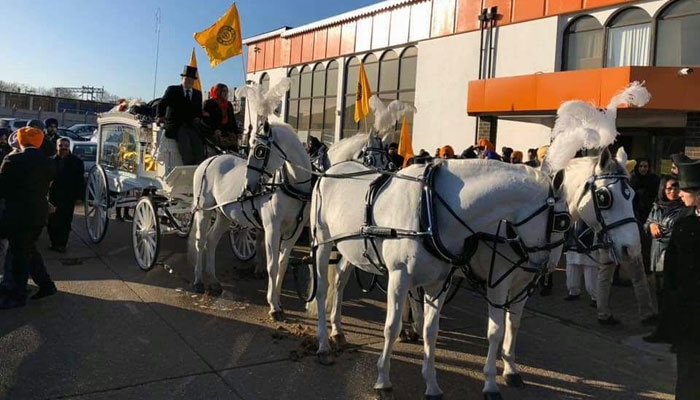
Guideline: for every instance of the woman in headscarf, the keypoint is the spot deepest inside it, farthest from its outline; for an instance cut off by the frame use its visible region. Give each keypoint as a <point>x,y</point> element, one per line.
<point>218,115</point>
<point>666,210</point>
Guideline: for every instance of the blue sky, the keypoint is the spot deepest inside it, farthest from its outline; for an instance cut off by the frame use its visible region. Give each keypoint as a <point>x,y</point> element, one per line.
<point>112,43</point>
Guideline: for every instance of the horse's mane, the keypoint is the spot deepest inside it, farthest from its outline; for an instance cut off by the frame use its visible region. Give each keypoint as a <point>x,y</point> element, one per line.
<point>339,151</point>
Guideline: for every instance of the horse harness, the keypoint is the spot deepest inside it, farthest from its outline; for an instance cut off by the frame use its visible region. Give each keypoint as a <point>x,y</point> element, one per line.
<point>431,239</point>
<point>602,199</point>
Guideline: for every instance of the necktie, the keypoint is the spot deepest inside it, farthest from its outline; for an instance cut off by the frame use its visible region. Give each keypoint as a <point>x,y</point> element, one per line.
<point>189,95</point>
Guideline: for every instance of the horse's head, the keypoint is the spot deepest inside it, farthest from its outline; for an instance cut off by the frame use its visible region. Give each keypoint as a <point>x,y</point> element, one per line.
<point>543,231</point>
<point>374,153</point>
<point>265,156</point>
<point>605,204</point>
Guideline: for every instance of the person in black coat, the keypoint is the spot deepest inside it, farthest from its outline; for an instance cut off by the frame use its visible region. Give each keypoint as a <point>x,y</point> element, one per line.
<point>646,185</point>
<point>181,110</point>
<point>5,147</point>
<point>66,188</point>
<point>48,146</point>
<point>219,119</point>
<point>24,184</point>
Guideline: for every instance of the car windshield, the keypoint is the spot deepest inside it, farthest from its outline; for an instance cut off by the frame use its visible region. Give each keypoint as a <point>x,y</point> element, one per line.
<point>85,152</point>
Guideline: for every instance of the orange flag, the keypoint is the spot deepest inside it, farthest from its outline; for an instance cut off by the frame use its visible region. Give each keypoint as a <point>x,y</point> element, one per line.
<point>193,63</point>
<point>222,40</point>
<point>362,96</point>
<point>405,144</point>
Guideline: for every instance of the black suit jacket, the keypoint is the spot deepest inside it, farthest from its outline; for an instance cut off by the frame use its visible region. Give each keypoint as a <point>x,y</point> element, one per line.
<point>177,110</point>
<point>68,185</point>
<point>24,184</point>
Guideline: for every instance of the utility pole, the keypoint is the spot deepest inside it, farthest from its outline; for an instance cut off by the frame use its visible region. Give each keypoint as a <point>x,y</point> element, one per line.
<point>155,77</point>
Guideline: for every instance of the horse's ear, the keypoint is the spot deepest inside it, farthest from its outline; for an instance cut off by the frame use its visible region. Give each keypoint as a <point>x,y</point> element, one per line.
<point>621,156</point>
<point>605,158</point>
<point>558,181</point>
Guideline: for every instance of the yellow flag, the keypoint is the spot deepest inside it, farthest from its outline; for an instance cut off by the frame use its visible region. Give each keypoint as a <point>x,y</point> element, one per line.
<point>405,144</point>
<point>193,63</point>
<point>222,40</point>
<point>363,94</point>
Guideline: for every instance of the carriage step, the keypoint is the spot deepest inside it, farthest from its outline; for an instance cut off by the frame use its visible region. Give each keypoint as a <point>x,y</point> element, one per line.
<point>378,231</point>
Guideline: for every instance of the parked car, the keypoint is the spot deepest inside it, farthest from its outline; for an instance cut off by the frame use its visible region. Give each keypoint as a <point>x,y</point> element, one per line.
<point>84,130</point>
<point>15,123</point>
<point>67,133</point>
<point>86,151</point>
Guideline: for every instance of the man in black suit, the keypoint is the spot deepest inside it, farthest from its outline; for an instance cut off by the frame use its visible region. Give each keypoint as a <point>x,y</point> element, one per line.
<point>66,188</point>
<point>24,184</point>
<point>181,109</point>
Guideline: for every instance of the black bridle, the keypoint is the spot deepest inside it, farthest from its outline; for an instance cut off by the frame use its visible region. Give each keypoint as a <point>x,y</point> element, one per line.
<point>602,199</point>
<point>369,153</point>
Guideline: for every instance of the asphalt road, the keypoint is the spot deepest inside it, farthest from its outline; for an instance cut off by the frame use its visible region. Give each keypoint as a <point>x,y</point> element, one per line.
<point>115,332</point>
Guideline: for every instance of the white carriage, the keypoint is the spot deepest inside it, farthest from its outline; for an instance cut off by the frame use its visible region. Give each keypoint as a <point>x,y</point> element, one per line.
<point>139,172</point>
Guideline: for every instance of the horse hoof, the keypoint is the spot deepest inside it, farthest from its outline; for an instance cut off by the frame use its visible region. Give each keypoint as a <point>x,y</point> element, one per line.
<point>277,316</point>
<point>325,359</point>
<point>198,288</point>
<point>339,340</point>
<point>384,394</point>
<point>433,396</point>
<point>514,380</point>
<point>408,336</point>
<point>215,289</point>
<point>493,396</point>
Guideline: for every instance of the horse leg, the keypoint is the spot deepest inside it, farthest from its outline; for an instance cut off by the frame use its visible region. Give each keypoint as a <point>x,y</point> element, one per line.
<point>286,248</point>
<point>272,251</point>
<point>342,277</point>
<point>414,331</point>
<point>200,226</point>
<point>217,230</point>
<point>510,370</point>
<point>432,306</point>
<point>323,254</point>
<point>495,336</point>
<point>396,292</point>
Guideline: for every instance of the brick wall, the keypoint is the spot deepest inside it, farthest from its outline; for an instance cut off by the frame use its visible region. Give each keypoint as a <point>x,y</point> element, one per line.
<point>692,141</point>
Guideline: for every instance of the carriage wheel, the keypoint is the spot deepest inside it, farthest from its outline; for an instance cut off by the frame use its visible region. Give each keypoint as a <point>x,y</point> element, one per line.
<point>145,232</point>
<point>96,204</point>
<point>305,277</point>
<point>243,243</point>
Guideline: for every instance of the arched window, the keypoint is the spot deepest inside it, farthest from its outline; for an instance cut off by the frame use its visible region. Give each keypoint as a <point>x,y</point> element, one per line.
<point>350,90</point>
<point>407,81</point>
<point>628,39</point>
<point>583,44</point>
<point>305,82</point>
<point>678,34</point>
<point>293,100</point>
<point>265,82</point>
<point>318,87</point>
<point>397,79</point>
<point>330,102</point>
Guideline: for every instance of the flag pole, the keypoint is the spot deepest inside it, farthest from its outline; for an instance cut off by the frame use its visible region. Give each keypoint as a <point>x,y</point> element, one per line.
<point>155,76</point>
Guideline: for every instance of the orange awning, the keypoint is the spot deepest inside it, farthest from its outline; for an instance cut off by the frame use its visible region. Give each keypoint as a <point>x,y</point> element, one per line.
<point>543,93</point>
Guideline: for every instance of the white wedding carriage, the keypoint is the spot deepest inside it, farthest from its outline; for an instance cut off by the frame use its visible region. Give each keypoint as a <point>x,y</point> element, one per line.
<point>139,174</point>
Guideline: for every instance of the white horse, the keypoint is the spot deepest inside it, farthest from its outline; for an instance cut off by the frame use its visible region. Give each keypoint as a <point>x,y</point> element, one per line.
<point>476,193</point>
<point>219,180</point>
<point>280,211</point>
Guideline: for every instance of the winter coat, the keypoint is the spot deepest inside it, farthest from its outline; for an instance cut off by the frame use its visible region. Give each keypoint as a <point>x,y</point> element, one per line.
<point>68,185</point>
<point>646,188</point>
<point>665,215</point>
<point>682,278</point>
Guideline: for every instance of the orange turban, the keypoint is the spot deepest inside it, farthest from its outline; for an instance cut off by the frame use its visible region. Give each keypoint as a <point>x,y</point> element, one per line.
<point>517,155</point>
<point>29,136</point>
<point>486,144</point>
<point>446,152</point>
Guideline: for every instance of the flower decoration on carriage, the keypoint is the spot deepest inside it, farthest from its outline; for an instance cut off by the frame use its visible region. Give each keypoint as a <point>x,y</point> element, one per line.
<point>580,125</point>
<point>385,117</point>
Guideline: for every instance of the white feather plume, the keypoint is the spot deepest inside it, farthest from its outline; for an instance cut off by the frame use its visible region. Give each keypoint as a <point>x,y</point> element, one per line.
<point>264,104</point>
<point>386,116</point>
<point>581,125</point>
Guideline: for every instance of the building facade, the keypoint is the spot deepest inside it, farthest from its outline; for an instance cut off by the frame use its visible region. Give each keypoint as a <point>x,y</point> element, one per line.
<point>493,68</point>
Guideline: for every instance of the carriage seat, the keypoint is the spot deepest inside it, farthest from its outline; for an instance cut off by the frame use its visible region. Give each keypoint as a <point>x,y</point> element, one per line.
<point>167,154</point>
